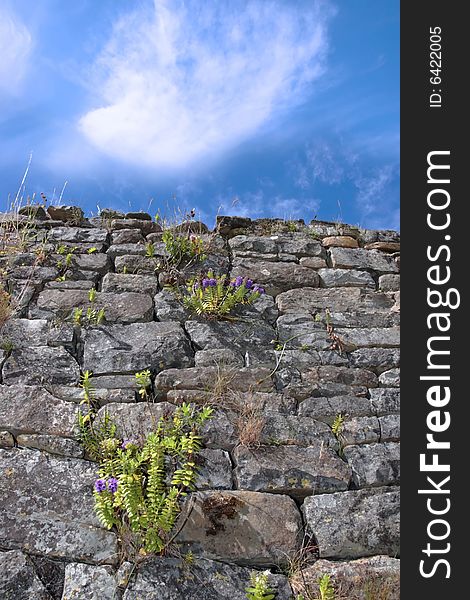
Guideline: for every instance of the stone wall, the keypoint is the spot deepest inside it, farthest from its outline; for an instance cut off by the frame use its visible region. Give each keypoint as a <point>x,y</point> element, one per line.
<point>277,487</point>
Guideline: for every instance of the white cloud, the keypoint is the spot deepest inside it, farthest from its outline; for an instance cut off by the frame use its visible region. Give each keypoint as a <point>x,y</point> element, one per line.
<point>180,82</point>
<point>15,49</point>
<point>258,204</point>
<point>372,189</point>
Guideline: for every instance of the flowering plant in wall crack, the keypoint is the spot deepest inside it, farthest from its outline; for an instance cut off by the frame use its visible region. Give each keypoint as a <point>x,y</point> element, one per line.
<point>217,296</point>
<point>141,480</point>
<point>141,483</point>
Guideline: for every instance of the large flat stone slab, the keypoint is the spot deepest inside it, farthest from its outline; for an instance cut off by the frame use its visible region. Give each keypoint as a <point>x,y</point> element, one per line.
<point>387,337</point>
<point>314,300</point>
<point>359,258</point>
<point>39,365</point>
<point>134,347</point>
<point>123,307</point>
<point>117,283</point>
<point>326,409</point>
<point>25,333</point>
<point>242,527</point>
<point>291,470</point>
<point>173,579</point>
<point>136,421</point>
<point>256,379</point>
<point>28,409</point>
<point>77,234</point>
<point>355,524</point>
<point>333,278</point>
<point>51,508</point>
<point>250,337</point>
<point>374,464</point>
<point>275,277</point>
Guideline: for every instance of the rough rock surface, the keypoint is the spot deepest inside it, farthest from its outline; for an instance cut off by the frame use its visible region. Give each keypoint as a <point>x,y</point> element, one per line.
<point>89,582</point>
<point>131,348</point>
<point>291,470</point>
<point>31,409</point>
<point>361,579</point>
<point>18,579</point>
<point>323,343</point>
<point>354,523</point>
<point>51,508</point>
<point>242,527</point>
<point>172,579</point>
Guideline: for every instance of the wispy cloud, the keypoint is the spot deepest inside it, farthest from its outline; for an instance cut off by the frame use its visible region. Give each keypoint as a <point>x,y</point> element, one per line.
<point>366,169</point>
<point>258,204</point>
<point>179,82</point>
<point>15,48</point>
<point>377,191</point>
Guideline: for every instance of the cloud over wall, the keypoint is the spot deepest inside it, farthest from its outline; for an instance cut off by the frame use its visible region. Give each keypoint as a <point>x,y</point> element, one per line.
<point>15,49</point>
<point>179,82</point>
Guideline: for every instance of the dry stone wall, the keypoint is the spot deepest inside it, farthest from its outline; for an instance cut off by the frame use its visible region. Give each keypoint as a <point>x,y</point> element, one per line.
<point>303,448</point>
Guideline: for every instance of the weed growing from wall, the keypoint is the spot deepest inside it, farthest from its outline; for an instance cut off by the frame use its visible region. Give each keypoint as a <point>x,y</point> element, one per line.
<point>259,587</point>
<point>216,296</point>
<point>141,482</point>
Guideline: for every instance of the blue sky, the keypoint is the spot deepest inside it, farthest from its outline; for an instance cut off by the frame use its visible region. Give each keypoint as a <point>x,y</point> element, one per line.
<point>256,107</point>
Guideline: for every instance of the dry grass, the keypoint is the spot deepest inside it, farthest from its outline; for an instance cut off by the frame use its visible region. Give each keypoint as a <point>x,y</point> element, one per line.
<point>5,307</point>
<point>369,586</point>
<point>242,408</point>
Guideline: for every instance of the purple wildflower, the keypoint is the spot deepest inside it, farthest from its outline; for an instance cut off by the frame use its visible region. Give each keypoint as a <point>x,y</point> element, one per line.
<point>126,443</point>
<point>212,282</point>
<point>205,283</point>
<point>249,284</point>
<point>238,281</point>
<point>100,485</point>
<point>112,484</point>
<point>259,289</point>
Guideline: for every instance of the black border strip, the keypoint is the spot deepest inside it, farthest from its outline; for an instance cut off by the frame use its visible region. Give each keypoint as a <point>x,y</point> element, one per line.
<point>430,124</point>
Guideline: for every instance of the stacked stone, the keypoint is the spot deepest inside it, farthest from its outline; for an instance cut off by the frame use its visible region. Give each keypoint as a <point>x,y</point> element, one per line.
<point>322,342</point>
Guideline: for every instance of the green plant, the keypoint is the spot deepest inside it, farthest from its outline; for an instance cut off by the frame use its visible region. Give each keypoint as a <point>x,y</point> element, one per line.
<point>92,294</point>
<point>92,250</point>
<point>140,485</point>
<point>337,428</point>
<point>95,317</point>
<point>216,297</point>
<point>338,425</point>
<point>291,226</point>
<point>88,389</point>
<point>325,589</point>
<point>77,315</point>
<point>69,259</point>
<point>7,346</point>
<point>150,250</point>
<point>189,558</point>
<point>143,382</point>
<point>259,587</point>
<point>182,248</point>
<point>93,436</point>
<point>66,263</point>
<point>92,316</point>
